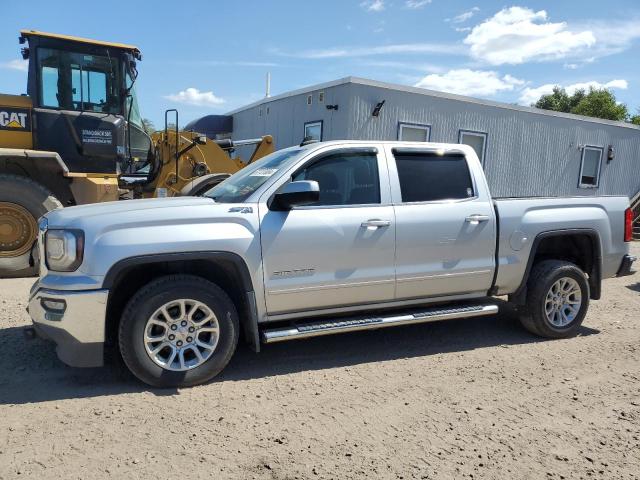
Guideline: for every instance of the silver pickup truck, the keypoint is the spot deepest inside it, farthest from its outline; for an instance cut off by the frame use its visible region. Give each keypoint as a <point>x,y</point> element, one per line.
<point>314,240</point>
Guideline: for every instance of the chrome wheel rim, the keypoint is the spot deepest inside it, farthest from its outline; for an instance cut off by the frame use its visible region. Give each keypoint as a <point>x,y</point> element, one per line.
<point>563,302</point>
<point>181,335</point>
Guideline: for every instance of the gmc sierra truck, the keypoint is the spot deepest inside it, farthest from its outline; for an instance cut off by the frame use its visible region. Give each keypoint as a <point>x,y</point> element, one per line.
<point>318,239</point>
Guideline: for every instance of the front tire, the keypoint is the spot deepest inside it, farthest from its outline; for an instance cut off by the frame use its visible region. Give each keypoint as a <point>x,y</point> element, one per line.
<point>178,331</point>
<point>557,299</point>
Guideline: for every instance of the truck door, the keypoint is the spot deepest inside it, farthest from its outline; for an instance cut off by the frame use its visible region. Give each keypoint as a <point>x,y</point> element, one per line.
<point>445,224</point>
<point>339,251</point>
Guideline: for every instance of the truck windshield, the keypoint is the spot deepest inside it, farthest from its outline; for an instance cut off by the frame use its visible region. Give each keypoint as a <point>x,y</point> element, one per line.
<point>239,186</point>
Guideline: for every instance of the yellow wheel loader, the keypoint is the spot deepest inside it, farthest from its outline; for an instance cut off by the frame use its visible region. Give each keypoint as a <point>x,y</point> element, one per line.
<point>77,137</point>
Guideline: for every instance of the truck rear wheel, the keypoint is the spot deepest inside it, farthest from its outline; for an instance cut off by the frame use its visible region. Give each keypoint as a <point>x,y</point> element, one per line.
<point>557,299</point>
<point>22,202</point>
<point>178,331</point>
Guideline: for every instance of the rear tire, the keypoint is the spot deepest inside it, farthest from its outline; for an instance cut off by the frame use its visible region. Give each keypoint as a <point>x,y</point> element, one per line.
<point>190,304</point>
<point>557,299</point>
<point>22,202</point>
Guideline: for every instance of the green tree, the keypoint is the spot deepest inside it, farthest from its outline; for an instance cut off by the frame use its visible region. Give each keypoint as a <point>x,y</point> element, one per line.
<point>148,126</point>
<point>600,103</point>
<point>636,118</point>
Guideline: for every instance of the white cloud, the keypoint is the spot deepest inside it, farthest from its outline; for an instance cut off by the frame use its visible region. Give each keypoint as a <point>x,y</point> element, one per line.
<point>531,95</point>
<point>406,48</point>
<point>612,36</point>
<point>470,82</point>
<point>193,96</point>
<point>21,65</point>
<point>415,4</point>
<point>373,5</point>
<point>516,35</point>
<point>464,16</point>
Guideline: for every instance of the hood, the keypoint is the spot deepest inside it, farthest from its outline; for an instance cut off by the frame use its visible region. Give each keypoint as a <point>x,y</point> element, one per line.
<point>129,228</point>
<point>70,216</point>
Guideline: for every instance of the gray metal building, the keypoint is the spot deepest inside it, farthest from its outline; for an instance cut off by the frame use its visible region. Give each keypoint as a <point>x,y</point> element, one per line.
<point>524,151</point>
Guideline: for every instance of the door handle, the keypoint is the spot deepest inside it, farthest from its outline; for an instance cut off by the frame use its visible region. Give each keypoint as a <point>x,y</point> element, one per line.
<point>476,218</point>
<point>375,223</point>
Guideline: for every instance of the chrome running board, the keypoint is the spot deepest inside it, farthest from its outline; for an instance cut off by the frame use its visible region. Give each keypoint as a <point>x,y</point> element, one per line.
<point>350,324</point>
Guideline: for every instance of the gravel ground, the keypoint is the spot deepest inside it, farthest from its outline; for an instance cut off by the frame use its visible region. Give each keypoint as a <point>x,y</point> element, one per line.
<point>475,398</point>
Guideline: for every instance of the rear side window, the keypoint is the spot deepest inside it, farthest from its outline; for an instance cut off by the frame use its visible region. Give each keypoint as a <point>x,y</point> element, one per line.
<point>427,177</point>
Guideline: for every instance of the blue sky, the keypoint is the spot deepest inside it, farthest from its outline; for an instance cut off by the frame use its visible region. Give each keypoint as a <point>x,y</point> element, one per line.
<point>211,57</point>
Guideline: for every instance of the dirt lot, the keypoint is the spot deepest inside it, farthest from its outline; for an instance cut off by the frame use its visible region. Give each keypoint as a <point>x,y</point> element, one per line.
<point>476,398</point>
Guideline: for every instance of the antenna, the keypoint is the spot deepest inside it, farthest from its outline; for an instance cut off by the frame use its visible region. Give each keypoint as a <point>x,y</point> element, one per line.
<point>268,93</point>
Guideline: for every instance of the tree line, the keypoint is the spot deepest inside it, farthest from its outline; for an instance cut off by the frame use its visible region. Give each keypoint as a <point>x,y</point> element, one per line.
<point>600,103</point>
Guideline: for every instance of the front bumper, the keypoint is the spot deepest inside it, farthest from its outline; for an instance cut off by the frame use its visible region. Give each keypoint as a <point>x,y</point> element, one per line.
<point>78,330</point>
<point>625,266</point>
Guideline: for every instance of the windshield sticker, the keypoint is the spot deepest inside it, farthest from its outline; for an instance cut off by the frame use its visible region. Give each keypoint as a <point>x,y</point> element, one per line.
<point>264,172</point>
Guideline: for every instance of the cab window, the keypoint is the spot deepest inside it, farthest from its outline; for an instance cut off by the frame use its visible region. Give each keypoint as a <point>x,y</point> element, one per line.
<point>77,81</point>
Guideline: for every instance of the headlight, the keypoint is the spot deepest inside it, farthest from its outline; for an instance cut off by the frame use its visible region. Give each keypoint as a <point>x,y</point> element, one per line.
<point>64,249</point>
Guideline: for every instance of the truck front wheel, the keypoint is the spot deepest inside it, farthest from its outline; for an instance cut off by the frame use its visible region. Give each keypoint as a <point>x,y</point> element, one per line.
<point>178,331</point>
<point>557,299</point>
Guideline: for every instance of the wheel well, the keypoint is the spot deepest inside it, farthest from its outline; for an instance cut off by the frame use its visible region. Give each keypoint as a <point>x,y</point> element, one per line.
<point>574,248</point>
<point>224,273</point>
<point>579,248</point>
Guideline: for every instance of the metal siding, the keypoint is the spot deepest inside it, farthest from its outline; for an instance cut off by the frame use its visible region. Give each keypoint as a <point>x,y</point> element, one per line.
<point>527,154</point>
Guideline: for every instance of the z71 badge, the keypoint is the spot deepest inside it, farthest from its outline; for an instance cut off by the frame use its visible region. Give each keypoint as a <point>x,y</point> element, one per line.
<point>17,119</point>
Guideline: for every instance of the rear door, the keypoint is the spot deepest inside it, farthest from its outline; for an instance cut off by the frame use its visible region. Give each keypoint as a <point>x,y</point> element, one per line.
<point>445,223</point>
<point>339,251</point>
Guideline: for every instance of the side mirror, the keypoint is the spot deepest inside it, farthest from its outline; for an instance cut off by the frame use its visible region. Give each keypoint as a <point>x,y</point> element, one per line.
<point>295,194</point>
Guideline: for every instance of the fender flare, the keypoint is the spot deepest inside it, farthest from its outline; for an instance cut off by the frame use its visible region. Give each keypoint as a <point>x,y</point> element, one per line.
<point>119,269</point>
<point>595,278</point>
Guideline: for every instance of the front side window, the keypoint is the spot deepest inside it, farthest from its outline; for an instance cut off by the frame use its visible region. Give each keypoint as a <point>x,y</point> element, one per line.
<point>348,178</point>
<point>476,140</point>
<point>313,131</point>
<point>427,177</point>
<point>409,132</point>
<point>77,81</point>
<point>590,168</point>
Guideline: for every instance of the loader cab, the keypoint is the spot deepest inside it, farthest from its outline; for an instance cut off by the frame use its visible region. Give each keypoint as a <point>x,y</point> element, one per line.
<point>84,101</point>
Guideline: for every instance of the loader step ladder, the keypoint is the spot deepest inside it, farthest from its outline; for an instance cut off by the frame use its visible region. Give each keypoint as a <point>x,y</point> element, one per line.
<point>330,326</point>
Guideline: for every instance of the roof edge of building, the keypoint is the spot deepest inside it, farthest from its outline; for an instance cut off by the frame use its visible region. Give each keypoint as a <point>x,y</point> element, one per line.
<point>433,93</point>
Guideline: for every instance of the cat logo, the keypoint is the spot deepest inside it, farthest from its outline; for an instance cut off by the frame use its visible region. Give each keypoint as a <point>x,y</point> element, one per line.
<point>16,119</point>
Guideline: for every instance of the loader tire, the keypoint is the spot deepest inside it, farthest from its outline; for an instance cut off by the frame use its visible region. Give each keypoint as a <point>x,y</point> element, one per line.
<point>22,202</point>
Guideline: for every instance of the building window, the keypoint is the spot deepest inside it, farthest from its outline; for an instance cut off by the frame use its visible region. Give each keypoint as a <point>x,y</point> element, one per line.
<point>260,112</point>
<point>313,131</point>
<point>476,140</point>
<point>414,132</point>
<point>590,167</point>
<point>267,110</point>
<point>321,97</point>
<point>309,99</point>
